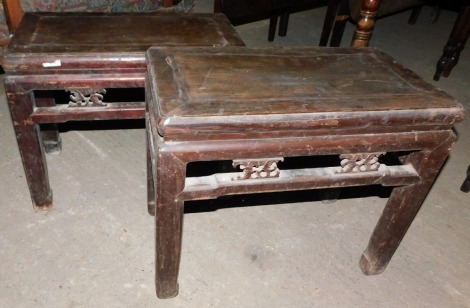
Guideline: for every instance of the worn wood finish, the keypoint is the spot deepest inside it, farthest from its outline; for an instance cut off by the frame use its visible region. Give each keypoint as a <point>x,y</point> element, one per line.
<point>365,24</point>
<point>85,54</point>
<point>353,103</point>
<point>456,43</point>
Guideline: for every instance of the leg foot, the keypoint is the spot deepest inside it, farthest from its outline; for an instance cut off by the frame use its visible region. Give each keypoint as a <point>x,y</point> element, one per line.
<point>165,292</point>
<point>369,267</point>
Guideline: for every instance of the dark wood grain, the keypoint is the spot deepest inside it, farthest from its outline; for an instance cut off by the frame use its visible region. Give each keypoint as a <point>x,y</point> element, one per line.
<point>83,52</point>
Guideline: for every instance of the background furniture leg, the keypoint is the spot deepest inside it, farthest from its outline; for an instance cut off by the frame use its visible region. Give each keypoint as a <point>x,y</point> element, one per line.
<point>272,26</point>
<point>283,22</point>
<point>414,15</point>
<point>455,44</point>
<point>365,23</point>
<point>50,135</point>
<point>466,184</point>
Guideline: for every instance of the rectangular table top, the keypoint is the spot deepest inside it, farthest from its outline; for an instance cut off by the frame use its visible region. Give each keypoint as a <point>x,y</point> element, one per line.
<point>204,90</point>
<point>68,41</point>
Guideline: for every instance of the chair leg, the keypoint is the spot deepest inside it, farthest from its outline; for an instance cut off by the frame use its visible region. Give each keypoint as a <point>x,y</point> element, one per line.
<point>283,22</point>
<point>414,15</point>
<point>340,23</point>
<point>466,184</point>
<point>436,14</point>
<point>272,26</point>
<point>331,13</point>
<point>456,43</point>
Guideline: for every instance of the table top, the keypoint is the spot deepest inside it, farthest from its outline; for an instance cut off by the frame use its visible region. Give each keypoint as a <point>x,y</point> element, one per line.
<point>202,90</point>
<point>80,40</point>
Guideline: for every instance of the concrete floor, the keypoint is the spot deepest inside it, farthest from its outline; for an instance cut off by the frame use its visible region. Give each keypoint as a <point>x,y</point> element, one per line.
<point>96,247</point>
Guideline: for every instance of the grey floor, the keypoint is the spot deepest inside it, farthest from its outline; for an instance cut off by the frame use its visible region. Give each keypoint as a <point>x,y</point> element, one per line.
<point>96,247</point>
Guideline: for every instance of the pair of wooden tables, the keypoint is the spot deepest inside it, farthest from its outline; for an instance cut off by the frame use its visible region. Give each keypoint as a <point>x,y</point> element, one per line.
<point>252,107</point>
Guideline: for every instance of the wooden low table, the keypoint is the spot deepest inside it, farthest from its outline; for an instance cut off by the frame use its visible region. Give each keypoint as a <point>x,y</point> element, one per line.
<point>87,55</point>
<point>258,107</point>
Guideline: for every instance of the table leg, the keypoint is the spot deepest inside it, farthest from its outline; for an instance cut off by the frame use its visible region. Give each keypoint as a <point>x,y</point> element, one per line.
<point>150,181</point>
<point>50,134</point>
<point>169,222</point>
<point>455,44</point>
<point>402,207</point>
<point>30,147</point>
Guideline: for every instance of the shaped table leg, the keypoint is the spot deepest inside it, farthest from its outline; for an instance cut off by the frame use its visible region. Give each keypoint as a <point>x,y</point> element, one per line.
<point>401,209</point>
<point>169,222</point>
<point>31,148</point>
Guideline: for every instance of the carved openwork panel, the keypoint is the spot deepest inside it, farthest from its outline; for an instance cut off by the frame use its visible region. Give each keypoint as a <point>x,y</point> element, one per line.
<point>86,97</point>
<point>256,169</point>
<point>360,162</point>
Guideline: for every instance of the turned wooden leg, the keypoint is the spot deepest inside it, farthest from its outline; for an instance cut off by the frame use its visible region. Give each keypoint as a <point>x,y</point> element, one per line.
<point>50,135</point>
<point>401,209</point>
<point>169,183</point>
<point>30,146</point>
<point>365,24</point>
<point>466,184</point>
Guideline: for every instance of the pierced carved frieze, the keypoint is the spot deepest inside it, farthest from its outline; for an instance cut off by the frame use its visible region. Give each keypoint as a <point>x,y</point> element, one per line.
<point>257,169</point>
<point>360,162</point>
<point>86,97</point>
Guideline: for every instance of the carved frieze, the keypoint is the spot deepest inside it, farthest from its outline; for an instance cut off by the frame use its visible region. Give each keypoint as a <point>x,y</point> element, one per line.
<point>360,162</point>
<point>257,169</point>
<point>86,97</point>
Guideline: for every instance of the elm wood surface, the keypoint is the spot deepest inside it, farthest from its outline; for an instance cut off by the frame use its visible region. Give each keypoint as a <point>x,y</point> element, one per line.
<point>87,53</point>
<point>456,43</point>
<point>257,106</point>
